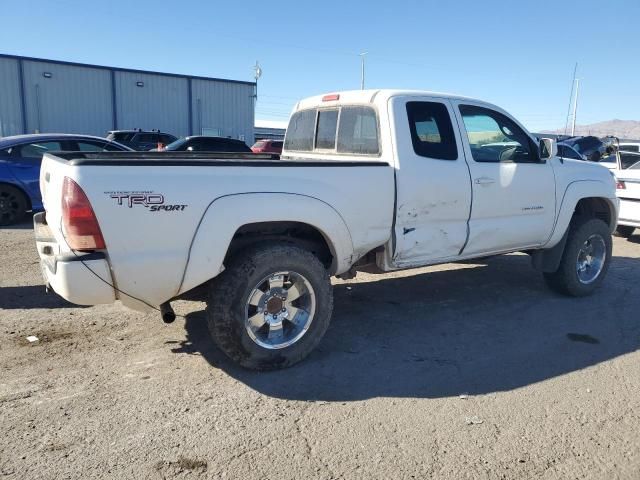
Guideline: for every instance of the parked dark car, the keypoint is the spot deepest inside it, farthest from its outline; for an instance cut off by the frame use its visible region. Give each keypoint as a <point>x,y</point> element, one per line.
<point>20,158</point>
<point>267,146</point>
<point>567,151</point>
<point>141,140</point>
<point>207,144</point>
<point>590,147</point>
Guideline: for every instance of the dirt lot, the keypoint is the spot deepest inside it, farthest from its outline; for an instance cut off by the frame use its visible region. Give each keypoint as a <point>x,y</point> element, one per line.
<point>552,384</point>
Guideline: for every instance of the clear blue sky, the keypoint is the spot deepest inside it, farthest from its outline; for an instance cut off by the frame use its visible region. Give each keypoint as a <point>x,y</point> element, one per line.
<point>517,54</point>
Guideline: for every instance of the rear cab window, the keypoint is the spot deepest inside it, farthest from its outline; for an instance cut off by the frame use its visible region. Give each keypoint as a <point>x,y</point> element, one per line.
<point>348,129</point>
<point>326,130</point>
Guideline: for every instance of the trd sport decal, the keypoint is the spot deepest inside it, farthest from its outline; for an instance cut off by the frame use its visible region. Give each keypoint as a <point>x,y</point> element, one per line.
<point>153,201</point>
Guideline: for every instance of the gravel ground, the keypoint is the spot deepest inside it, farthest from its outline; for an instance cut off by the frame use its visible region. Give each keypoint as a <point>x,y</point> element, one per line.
<point>460,371</point>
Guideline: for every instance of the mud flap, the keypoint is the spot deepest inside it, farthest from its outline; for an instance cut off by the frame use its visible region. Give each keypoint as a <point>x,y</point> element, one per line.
<point>548,260</point>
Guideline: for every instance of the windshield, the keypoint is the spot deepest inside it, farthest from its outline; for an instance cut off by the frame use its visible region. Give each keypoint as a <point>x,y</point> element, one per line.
<point>176,145</point>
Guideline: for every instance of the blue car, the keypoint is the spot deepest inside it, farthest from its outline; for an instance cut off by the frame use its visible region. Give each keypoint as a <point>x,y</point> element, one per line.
<point>20,158</point>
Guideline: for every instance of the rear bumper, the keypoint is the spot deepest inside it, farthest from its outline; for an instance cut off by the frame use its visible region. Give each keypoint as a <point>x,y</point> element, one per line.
<point>629,212</point>
<point>81,278</point>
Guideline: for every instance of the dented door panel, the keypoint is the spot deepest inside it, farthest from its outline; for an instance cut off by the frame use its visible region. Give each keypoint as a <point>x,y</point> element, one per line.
<point>433,194</point>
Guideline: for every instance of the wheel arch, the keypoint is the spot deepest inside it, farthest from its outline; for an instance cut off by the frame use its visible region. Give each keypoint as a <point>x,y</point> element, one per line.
<point>233,222</point>
<point>586,198</point>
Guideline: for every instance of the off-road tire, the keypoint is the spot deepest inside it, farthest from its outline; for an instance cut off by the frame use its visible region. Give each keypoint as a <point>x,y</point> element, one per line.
<point>565,279</point>
<point>228,295</point>
<point>17,209</point>
<point>624,231</point>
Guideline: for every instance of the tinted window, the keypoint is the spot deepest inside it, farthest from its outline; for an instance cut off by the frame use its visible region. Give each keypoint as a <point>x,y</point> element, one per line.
<point>629,159</point>
<point>493,137</point>
<point>120,136</point>
<point>327,126</point>
<point>37,150</point>
<point>147,138</point>
<point>90,146</point>
<point>300,132</point>
<point>164,138</point>
<point>630,148</point>
<point>276,144</point>
<point>431,130</point>
<point>96,146</point>
<point>358,131</point>
<point>178,145</point>
<point>568,152</point>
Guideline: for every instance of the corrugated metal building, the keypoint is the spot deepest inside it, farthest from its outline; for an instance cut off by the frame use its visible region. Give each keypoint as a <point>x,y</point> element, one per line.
<point>50,96</point>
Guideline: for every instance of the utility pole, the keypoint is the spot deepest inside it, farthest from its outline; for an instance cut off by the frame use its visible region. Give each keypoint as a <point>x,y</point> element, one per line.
<point>575,109</point>
<point>257,73</point>
<point>573,82</point>
<point>362,69</point>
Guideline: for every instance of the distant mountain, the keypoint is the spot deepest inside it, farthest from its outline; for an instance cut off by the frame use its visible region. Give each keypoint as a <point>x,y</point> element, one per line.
<point>628,129</point>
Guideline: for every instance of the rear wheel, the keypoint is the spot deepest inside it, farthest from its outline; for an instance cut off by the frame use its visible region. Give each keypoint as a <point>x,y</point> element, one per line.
<point>585,259</point>
<point>624,231</point>
<point>13,205</point>
<point>270,307</point>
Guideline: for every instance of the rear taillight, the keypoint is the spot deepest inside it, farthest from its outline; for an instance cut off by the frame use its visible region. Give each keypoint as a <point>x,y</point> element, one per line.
<point>81,229</point>
<point>620,185</point>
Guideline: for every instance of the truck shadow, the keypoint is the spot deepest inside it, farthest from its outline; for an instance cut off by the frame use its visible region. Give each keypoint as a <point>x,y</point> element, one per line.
<point>475,330</point>
<point>25,224</point>
<point>31,296</point>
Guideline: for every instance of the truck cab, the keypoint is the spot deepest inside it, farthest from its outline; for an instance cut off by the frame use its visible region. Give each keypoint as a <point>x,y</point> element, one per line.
<point>470,179</point>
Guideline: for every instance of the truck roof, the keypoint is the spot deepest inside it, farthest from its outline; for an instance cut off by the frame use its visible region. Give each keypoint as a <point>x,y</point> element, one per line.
<point>372,96</point>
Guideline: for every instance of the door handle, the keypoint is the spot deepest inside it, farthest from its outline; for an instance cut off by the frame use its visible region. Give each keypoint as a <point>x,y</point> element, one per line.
<point>484,181</point>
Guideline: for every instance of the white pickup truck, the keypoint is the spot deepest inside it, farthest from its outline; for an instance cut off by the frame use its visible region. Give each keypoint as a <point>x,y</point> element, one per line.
<point>378,180</point>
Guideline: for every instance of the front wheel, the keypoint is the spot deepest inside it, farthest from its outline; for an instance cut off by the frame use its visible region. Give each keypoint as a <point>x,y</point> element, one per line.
<point>585,259</point>
<point>270,307</point>
<point>624,231</point>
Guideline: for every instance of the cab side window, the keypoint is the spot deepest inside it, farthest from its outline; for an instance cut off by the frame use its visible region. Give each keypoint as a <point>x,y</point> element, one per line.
<point>431,130</point>
<point>493,137</point>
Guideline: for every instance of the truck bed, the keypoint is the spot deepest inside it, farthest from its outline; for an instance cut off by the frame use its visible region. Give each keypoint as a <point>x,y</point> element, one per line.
<point>171,216</point>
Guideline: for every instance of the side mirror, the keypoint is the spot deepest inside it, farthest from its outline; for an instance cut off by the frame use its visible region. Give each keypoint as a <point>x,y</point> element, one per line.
<point>548,148</point>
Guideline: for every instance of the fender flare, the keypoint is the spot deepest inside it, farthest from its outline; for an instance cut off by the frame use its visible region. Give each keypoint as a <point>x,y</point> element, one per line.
<point>226,214</point>
<point>575,192</point>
